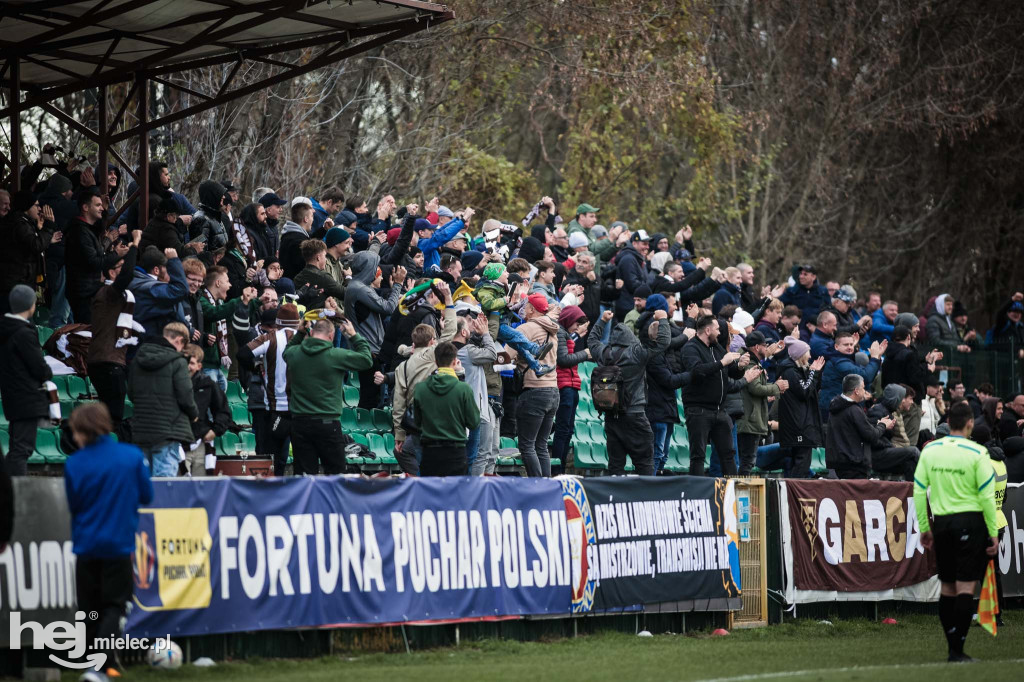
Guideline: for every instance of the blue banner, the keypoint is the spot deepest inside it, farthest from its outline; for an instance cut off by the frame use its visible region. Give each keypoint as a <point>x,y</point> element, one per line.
<point>223,555</point>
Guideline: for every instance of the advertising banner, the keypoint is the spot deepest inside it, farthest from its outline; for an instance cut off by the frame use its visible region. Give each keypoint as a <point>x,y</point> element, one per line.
<point>37,569</point>
<point>1011,546</point>
<point>855,536</point>
<point>649,540</point>
<point>233,555</point>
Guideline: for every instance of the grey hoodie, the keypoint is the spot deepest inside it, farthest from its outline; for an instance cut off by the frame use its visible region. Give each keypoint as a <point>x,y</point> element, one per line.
<point>363,306</point>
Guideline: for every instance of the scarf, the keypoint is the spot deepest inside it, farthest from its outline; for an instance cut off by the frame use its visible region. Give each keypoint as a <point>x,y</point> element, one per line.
<point>447,370</point>
<point>51,395</point>
<point>128,329</point>
<point>222,327</point>
<point>244,243</point>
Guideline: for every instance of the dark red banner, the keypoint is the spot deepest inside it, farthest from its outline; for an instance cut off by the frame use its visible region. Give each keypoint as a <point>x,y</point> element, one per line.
<point>856,536</point>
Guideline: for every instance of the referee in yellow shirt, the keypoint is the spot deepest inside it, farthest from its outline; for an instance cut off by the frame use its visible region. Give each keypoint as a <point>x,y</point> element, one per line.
<point>959,476</point>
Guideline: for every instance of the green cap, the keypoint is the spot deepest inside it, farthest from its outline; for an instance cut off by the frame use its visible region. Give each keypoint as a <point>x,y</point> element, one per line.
<point>493,271</point>
<point>586,208</point>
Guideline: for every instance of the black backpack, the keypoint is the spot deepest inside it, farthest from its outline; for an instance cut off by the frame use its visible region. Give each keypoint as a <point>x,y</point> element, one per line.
<point>606,385</point>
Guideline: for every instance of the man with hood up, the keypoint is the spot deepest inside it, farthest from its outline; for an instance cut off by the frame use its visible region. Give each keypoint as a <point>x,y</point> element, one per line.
<point>940,328</point>
<point>629,431</point>
<point>315,373</point>
<point>892,452</point>
<point>212,219</point>
<point>367,310</point>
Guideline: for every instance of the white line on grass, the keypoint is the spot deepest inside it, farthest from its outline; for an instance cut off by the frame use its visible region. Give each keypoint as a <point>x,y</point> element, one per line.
<point>846,669</point>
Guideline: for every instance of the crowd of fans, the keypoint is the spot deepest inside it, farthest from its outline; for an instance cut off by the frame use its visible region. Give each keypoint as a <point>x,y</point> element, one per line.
<point>469,333</point>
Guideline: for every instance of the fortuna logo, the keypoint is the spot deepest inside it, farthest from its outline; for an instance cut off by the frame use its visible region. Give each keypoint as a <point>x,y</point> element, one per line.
<point>808,514</point>
<point>143,561</point>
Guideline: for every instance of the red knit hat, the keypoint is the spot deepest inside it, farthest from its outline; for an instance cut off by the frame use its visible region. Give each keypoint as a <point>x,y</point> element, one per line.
<point>539,302</point>
<point>393,235</point>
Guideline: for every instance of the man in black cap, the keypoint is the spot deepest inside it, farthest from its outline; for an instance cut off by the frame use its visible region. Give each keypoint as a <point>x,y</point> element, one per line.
<point>753,426</point>
<point>632,270</point>
<point>274,206</point>
<point>808,295</point>
<point>22,373</point>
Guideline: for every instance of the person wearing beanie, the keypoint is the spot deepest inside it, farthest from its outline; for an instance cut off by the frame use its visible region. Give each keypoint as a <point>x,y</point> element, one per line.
<point>753,427</point>
<point>800,429</point>
<point>632,269</point>
<point>640,296</point>
<point>572,325</point>
<point>339,243</point>
<point>162,230</point>
<point>495,294</point>
<point>538,400</point>
<point>967,338</point>
<point>315,274</point>
<point>261,356</point>
<point>532,250</point>
<point>211,220</point>
<point>911,322</point>
<point>578,242</point>
<point>28,230</point>
<point>346,219</point>
<point>23,372</point>
<point>470,262</point>
<point>1009,327</point>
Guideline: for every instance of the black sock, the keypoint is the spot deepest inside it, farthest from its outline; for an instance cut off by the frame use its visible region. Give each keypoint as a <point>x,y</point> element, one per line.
<point>947,616</point>
<point>964,614</point>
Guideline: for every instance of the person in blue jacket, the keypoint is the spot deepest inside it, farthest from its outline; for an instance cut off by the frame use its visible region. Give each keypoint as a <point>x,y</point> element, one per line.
<point>160,289</point>
<point>842,361</point>
<point>105,482</point>
<point>431,240</point>
<point>329,203</point>
<point>883,322</point>
<point>808,295</point>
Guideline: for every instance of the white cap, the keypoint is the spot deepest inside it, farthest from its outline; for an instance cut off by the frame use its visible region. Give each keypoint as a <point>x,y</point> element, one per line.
<point>741,319</point>
<point>302,200</point>
<point>577,239</point>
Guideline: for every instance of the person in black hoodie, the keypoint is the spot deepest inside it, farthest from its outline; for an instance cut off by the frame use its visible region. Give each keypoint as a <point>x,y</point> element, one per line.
<point>22,373</point>
<point>663,384</point>
<point>211,220</point>
<point>800,428</point>
<point>850,434</point>
<point>164,230</point>
<point>886,457</point>
<point>86,256</point>
<point>57,196</point>
<point>704,398</point>
<point>632,270</point>
<point>214,416</point>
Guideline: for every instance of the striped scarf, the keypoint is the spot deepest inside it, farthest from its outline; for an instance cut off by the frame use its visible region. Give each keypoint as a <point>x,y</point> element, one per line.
<point>51,395</point>
<point>222,327</point>
<point>244,243</point>
<point>128,329</point>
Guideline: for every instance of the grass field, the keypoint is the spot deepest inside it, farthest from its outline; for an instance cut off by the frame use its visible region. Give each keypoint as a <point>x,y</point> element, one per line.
<point>802,650</point>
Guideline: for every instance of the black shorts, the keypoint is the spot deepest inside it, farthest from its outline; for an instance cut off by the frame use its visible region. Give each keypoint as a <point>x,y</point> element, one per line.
<point>960,543</point>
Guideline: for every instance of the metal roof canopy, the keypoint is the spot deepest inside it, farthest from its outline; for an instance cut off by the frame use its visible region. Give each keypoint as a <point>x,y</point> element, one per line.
<point>53,48</point>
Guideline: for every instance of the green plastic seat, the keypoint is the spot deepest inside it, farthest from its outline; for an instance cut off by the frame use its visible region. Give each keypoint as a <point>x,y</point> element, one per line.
<point>225,445</point>
<point>353,379</point>
<point>248,441</point>
<point>376,445</point>
<point>818,459</point>
<point>597,432</point>
<point>600,455</point>
<point>48,447</point>
<point>360,438</point>
<point>679,435</point>
<point>582,457</point>
<point>78,389</point>
<point>240,415</point>
<point>364,420</point>
<point>236,394</point>
<point>381,420</point>
<point>44,334</point>
<point>508,443</point>
<point>350,396</point>
<point>129,408</point>
<point>5,441</point>
<point>61,381</point>
<point>67,407</point>
<point>349,420</point>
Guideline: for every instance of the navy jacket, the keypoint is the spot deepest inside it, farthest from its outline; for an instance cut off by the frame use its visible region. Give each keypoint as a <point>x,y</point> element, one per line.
<point>633,273</point>
<point>157,303</point>
<point>838,366</point>
<point>105,484</point>
<point>809,301</point>
<point>729,294</point>
<point>821,344</point>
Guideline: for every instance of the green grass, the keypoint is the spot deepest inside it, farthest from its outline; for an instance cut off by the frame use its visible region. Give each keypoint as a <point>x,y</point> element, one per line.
<point>912,650</point>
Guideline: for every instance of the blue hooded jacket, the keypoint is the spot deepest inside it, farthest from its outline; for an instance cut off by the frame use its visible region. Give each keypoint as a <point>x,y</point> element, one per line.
<point>837,366</point>
<point>105,483</point>
<point>431,246</point>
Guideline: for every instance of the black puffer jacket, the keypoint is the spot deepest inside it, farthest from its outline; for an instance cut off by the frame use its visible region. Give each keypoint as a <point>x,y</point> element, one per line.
<point>632,355</point>
<point>209,220</point>
<point>710,385</point>
<point>21,258</point>
<point>161,390</point>
<point>903,366</point>
<point>662,390</point>
<point>850,436</point>
<point>212,406</point>
<point>22,371</point>
<point>799,416</point>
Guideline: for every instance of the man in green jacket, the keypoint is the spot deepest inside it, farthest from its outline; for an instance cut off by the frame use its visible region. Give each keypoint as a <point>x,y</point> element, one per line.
<point>315,373</point>
<point>444,409</point>
<point>753,426</point>
<point>216,313</point>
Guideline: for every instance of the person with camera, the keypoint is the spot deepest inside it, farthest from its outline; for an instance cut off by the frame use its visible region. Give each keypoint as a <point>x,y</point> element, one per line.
<point>316,371</point>
<point>29,229</point>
